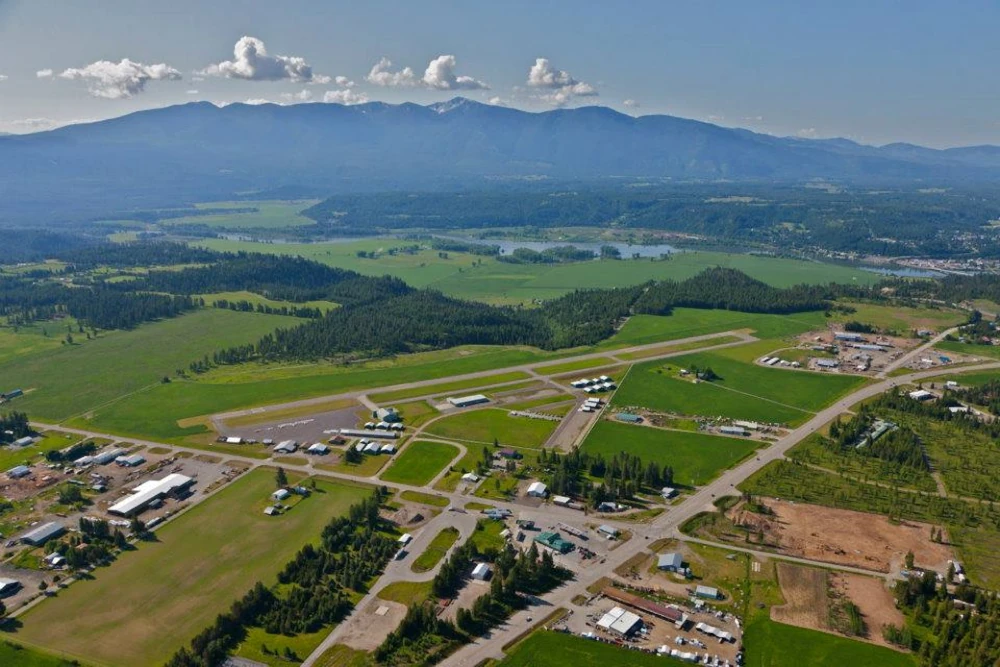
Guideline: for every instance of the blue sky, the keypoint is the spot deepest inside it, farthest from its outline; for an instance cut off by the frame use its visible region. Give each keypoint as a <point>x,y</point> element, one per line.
<point>877,72</point>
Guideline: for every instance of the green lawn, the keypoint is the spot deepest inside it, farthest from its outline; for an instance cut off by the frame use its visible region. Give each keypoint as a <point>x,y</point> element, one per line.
<point>257,299</point>
<point>19,656</point>
<point>904,320</point>
<point>424,498</point>
<point>987,351</point>
<point>482,426</point>
<point>745,390</point>
<point>772,644</point>
<point>436,550</point>
<point>557,649</point>
<point>695,457</point>
<point>154,600</point>
<point>419,462</point>
<point>73,379</point>
<point>406,592</point>
<point>301,645</point>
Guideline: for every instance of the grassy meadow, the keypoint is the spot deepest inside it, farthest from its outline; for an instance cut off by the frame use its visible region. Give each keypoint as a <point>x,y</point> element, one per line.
<point>198,565</point>
<point>483,426</point>
<point>772,644</point>
<point>419,462</point>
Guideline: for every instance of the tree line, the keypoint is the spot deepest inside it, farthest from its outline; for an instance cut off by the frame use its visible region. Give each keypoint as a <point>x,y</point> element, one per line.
<point>14,426</point>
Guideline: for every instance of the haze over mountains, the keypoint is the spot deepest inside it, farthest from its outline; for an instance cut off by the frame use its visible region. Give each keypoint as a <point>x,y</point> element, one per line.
<point>201,152</point>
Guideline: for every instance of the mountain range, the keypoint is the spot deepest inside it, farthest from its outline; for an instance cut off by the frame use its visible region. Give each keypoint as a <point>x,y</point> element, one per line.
<point>202,152</point>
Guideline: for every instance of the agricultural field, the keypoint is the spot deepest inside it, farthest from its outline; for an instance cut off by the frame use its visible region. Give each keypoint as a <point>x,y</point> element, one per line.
<point>269,215</point>
<point>695,457</point>
<point>772,644</point>
<point>902,320</point>
<point>75,379</point>
<point>485,425</point>
<point>743,389</point>
<point>419,462</point>
<point>198,565</point>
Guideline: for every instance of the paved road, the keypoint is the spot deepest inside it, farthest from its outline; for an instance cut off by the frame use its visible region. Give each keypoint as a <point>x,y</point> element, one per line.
<point>915,352</point>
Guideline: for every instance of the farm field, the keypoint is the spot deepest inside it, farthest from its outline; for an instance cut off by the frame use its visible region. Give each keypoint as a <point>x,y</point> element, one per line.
<point>75,379</point>
<point>772,644</point>
<point>485,425</point>
<point>557,649</point>
<point>419,462</point>
<point>199,564</point>
<point>436,550</point>
<point>986,351</point>
<point>695,457</point>
<point>270,215</point>
<point>903,320</point>
<point>744,390</point>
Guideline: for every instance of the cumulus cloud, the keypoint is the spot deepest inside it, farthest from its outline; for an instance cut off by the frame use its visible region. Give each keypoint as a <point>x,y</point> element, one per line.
<point>807,133</point>
<point>346,97</point>
<point>440,75</point>
<point>252,62</point>
<point>3,77</point>
<point>630,104</point>
<point>191,91</point>
<point>44,74</point>
<point>303,95</point>
<point>344,81</point>
<point>496,101</point>
<point>115,81</point>
<point>257,101</point>
<point>381,74</point>
<point>563,85</point>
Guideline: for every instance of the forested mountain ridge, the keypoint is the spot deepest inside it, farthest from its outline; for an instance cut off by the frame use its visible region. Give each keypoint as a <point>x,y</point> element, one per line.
<point>200,152</point>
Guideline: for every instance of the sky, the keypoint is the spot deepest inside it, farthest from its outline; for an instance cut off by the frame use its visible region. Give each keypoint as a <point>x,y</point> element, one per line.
<point>877,72</point>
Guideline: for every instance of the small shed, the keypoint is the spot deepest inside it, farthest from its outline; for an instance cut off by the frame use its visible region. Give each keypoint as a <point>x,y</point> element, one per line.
<point>562,500</point>
<point>707,593</point>
<point>481,572</point>
<point>405,539</point>
<point>281,494</point>
<point>470,477</point>
<point>610,531</point>
<point>271,510</point>
<point>671,562</point>
<point>668,492</point>
<point>538,490</point>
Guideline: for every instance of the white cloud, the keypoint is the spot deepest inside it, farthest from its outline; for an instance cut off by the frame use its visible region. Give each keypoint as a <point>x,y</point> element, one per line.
<point>497,101</point>
<point>563,85</point>
<point>344,81</point>
<point>715,118</point>
<point>34,123</point>
<point>807,133</point>
<point>252,62</point>
<point>630,104</point>
<point>3,77</point>
<point>381,74</point>
<point>44,74</point>
<point>346,97</point>
<point>192,91</point>
<point>119,80</point>
<point>197,78</point>
<point>303,95</point>
<point>257,101</point>
<point>440,75</point>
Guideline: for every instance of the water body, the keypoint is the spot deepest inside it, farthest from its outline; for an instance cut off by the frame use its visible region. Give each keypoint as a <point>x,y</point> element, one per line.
<point>904,272</point>
<point>627,251</point>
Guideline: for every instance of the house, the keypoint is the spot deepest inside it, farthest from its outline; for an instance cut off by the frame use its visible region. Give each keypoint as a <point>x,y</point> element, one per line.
<point>921,395</point>
<point>620,622</point>
<point>470,477</point>
<point>466,401</point>
<point>133,461</point>
<point>707,593</point>
<point>554,541</point>
<point>41,534</point>
<point>17,472</point>
<point>509,453</point>
<point>271,510</point>
<point>538,490</point>
<point>387,448</point>
<point>387,415</point>
<point>481,572</point>
<point>149,491</point>
<point>281,494</point>
<point>9,587</point>
<point>286,447</point>
<point>671,562</point>
<point>668,492</point>
<point>610,531</point>
<point>318,449</point>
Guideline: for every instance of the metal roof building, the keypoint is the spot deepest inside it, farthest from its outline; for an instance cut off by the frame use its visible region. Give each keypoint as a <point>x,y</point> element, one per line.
<point>554,541</point>
<point>42,534</point>
<point>620,622</point>
<point>366,433</point>
<point>18,472</point>
<point>538,489</point>
<point>465,401</point>
<point>707,592</point>
<point>481,572</point>
<point>151,490</point>
<point>671,561</point>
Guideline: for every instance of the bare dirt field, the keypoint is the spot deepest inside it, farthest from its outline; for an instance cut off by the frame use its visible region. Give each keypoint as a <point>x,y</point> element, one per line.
<point>804,590</point>
<point>873,599</point>
<point>845,537</point>
<point>472,590</point>
<point>366,629</point>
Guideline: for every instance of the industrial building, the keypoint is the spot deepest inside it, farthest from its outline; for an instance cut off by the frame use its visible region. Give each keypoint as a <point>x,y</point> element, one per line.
<point>106,456</point>
<point>318,448</point>
<point>610,531</point>
<point>387,415</point>
<point>481,572</point>
<point>707,592</point>
<point>672,562</point>
<point>363,433</point>
<point>286,447</point>
<point>620,622</point>
<point>848,336</point>
<point>827,363</point>
<point>17,472</point>
<point>670,613</point>
<point>41,534</point>
<point>921,395</point>
<point>734,430</point>
<point>466,401</point>
<point>554,541</point>
<point>133,461</point>
<point>538,490</point>
<point>150,491</point>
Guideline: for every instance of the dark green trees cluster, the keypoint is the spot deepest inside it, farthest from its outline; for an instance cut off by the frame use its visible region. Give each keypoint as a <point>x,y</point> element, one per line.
<point>313,588</point>
<point>13,426</point>
<point>900,446</point>
<point>621,478</point>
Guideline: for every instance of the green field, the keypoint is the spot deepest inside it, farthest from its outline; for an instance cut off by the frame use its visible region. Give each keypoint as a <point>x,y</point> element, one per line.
<point>419,462</point>
<point>152,601</point>
<point>436,550</point>
<point>557,649</point>
<point>18,656</point>
<point>74,379</point>
<point>485,279</point>
<point>695,457</point>
<point>406,592</point>
<point>269,215</point>
<point>813,451</point>
<point>257,299</point>
<point>482,426</point>
<point>986,351</point>
<point>424,498</point>
<point>772,644</point>
<point>904,320</point>
<point>689,322</point>
<point>745,390</point>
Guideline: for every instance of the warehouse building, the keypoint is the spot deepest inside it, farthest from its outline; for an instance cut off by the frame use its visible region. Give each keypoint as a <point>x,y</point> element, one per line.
<point>672,562</point>
<point>107,456</point>
<point>466,401</point>
<point>827,363</point>
<point>538,489</point>
<point>41,534</point>
<point>150,491</point>
<point>17,472</point>
<point>848,336</point>
<point>364,433</point>
<point>707,592</point>
<point>481,572</point>
<point>133,461</point>
<point>554,541</point>
<point>734,430</point>
<point>620,622</point>
<point>26,441</point>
